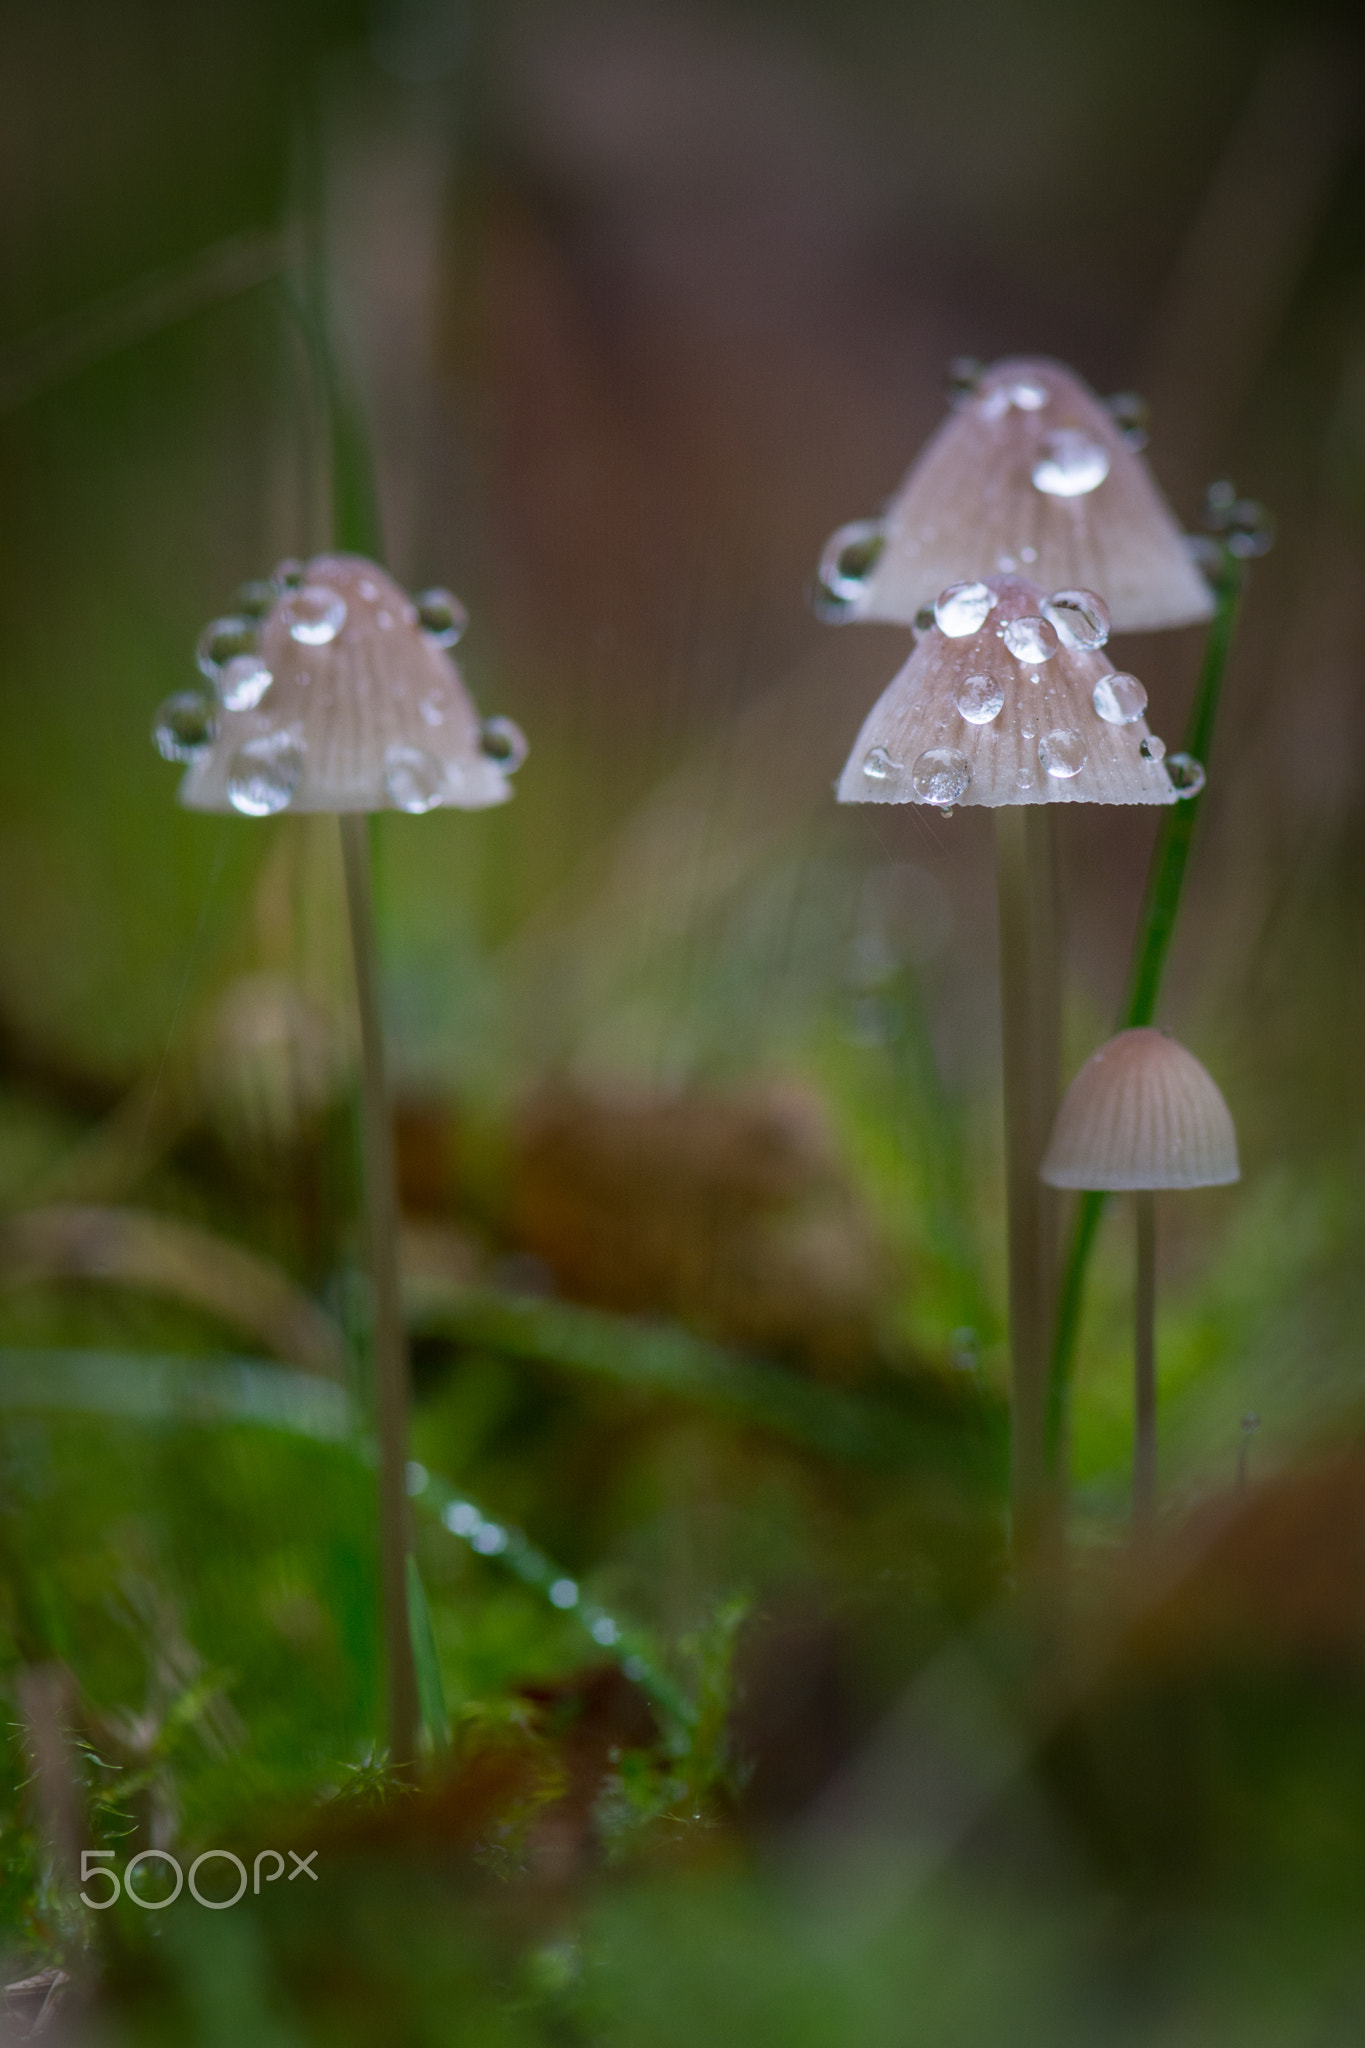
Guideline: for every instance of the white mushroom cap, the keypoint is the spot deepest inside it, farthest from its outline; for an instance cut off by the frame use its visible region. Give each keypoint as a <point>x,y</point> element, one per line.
<point>1031,473</point>
<point>362,710</point>
<point>934,737</point>
<point>1142,1113</point>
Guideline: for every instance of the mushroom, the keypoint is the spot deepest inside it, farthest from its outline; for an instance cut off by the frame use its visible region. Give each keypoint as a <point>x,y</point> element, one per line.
<point>1009,702</point>
<point>1142,1114</point>
<point>333,691</point>
<point>1029,473</point>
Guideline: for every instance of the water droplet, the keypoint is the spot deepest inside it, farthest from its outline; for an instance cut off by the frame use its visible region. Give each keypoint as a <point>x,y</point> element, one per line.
<point>504,743</point>
<point>433,709</point>
<point>1250,530</point>
<point>564,1593</point>
<point>254,599</point>
<point>183,726</point>
<point>490,1540</point>
<point>1028,554</point>
<point>1023,780</point>
<point>980,699</point>
<point>924,620</point>
<point>1006,564</point>
<point>1062,753</point>
<point>878,766</point>
<point>963,608</point>
<point>1030,639</point>
<point>1206,553</point>
<point>605,1631</point>
<point>1151,748</point>
<point>314,614</point>
<point>849,558</point>
<point>1028,395</point>
<point>417,1477</point>
<point>964,374</point>
<point>414,780</point>
<point>288,574</point>
<point>1129,413</point>
<point>1119,699</point>
<point>264,773</point>
<point>1070,463</point>
<point>441,615</point>
<point>1187,774</point>
<point>461,1517</point>
<point>1081,619</point>
<point>940,776</point>
<point>1219,500</point>
<point>368,589</point>
<point>384,620</point>
<point>242,682</point>
<point>220,641</point>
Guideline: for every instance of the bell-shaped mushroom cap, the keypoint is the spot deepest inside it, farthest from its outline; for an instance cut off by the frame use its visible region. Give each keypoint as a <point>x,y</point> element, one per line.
<point>1014,712</point>
<point>1030,474</point>
<point>1142,1113</point>
<point>348,705</point>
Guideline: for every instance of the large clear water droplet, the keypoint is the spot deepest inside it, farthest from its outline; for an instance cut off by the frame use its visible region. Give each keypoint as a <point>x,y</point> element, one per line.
<point>963,608</point>
<point>183,726</point>
<point>1070,463</point>
<point>878,765</point>
<point>980,699</point>
<point>1152,748</point>
<point>254,599</point>
<point>940,776</point>
<point>1187,774</point>
<point>1080,618</point>
<point>242,682</point>
<point>264,773</point>
<point>1062,753</point>
<point>1129,413</point>
<point>221,641</point>
<point>441,615</point>
<point>504,743</point>
<point>414,780</point>
<point>314,614</point>
<point>849,558</point>
<point>1030,639</point>
<point>1119,699</point>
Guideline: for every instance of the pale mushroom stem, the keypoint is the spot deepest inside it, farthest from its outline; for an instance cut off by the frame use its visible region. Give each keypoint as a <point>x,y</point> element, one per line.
<point>1030,1035</point>
<point>1144,1443</point>
<point>389,1342</point>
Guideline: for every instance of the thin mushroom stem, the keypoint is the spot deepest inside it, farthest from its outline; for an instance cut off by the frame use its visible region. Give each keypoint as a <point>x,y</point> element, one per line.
<point>1144,1354</point>
<point>1029,1021</point>
<point>390,1351</point>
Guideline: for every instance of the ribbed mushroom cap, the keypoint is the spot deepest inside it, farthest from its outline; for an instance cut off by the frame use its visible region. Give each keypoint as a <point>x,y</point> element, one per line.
<point>1031,473</point>
<point>1142,1113</point>
<point>362,711</point>
<point>967,721</point>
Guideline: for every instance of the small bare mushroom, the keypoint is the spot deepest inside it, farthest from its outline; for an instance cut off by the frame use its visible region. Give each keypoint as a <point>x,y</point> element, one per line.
<point>1030,474</point>
<point>1143,1114</point>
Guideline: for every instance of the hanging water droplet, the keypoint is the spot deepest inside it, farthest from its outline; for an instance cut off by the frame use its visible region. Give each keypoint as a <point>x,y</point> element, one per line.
<point>1151,748</point>
<point>1250,530</point>
<point>242,682</point>
<point>1187,774</point>
<point>1062,753</point>
<point>504,743</point>
<point>1119,699</point>
<point>1129,413</point>
<point>980,699</point>
<point>963,608</point>
<point>1030,639</point>
<point>1070,463</point>
<point>878,766</point>
<point>314,614</point>
<point>1081,619</point>
<point>964,374</point>
<point>220,641</point>
<point>414,780</point>
<point>183,726</point>
<point>850,556</point>
<point>288,574</point>
<point>254,599</point>
<point>441,615</point>
<point>264,773</point>
<point>940,776</point>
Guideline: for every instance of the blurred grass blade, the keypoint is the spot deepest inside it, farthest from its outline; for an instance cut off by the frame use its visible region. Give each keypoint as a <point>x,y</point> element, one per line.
<point>431,1693</point>
<point>132,1387</point>
<point>1156,929</point>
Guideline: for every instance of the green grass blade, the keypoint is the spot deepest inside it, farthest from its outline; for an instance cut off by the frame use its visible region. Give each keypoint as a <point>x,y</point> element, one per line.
<point>431,1693</point>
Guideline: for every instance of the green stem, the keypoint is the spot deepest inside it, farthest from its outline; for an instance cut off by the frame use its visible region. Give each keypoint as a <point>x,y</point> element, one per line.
<point>1144,1369</point>
<point>1156,928</point>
